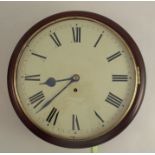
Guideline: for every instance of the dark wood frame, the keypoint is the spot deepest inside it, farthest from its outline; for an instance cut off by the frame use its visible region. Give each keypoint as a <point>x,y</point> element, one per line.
<point>127,119</point>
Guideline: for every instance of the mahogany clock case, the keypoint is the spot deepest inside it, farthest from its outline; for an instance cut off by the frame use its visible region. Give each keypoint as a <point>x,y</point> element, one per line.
<point>127,119</point>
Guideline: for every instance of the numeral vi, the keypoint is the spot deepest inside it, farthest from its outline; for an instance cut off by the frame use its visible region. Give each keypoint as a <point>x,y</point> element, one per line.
<point>75,122</point>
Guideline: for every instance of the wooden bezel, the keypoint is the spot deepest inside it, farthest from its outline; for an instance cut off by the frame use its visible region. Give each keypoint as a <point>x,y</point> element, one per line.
<point>131,113</point>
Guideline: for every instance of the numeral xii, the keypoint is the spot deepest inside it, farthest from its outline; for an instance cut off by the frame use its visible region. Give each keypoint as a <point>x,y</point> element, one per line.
<point>76,34</point>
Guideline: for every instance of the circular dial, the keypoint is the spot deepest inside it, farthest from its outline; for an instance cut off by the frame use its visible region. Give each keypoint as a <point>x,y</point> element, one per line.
<point>75,79</point>
<point>89,106</point>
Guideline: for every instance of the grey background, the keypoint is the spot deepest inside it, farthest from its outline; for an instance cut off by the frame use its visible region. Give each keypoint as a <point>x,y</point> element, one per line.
<point>136,17</point>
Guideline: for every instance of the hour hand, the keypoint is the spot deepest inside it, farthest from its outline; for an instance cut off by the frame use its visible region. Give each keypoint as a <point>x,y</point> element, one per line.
<point>51,82</point>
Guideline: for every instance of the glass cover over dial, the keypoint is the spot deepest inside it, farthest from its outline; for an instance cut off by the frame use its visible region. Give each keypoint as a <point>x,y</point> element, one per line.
<point>76,78</point>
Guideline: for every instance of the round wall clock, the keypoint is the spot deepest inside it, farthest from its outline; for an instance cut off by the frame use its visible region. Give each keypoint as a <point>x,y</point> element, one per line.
<point>76,79</point>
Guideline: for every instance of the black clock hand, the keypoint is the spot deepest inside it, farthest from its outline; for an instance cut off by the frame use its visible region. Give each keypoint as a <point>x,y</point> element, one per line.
<point>51,82</point>
<point>74,78</point>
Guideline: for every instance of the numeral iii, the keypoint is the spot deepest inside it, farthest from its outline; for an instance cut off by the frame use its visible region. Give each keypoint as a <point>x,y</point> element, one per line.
<point>119,78</point>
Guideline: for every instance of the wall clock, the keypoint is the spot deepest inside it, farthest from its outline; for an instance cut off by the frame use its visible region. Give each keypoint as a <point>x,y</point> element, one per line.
<point>76,79</point>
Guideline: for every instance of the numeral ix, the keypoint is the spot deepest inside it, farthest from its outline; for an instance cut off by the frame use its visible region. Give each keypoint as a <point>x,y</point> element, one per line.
<point>32,77</point>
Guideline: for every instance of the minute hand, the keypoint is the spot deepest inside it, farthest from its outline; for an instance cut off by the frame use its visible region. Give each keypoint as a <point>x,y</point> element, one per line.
<point>74,78</point>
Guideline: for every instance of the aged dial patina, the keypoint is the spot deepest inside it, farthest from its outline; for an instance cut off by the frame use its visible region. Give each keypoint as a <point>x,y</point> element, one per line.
<point>75,79</point>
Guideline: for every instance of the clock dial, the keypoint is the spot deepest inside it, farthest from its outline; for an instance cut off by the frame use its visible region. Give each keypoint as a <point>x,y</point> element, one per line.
<point>103,93</point>
<point>76,79</point>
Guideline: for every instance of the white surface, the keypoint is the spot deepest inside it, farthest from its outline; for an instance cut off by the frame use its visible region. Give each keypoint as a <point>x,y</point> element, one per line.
<point>136,17</point>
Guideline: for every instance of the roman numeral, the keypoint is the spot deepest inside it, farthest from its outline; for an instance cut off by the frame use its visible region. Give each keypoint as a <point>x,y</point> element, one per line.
<point>37,98</point>
<point>99,38</point>
<point>114,100</point>
<point>32,77</point>
<point>76,34</point>
<point>55,39</point>
<point>119,78</point>
<point>75,122</point>
<point>53,115</point>
<point>114,56</point>
<point>99,117</point>
<point>39,56</point>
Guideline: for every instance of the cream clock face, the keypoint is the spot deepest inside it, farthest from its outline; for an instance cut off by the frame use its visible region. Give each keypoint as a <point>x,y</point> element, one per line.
<point>76,79</point>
